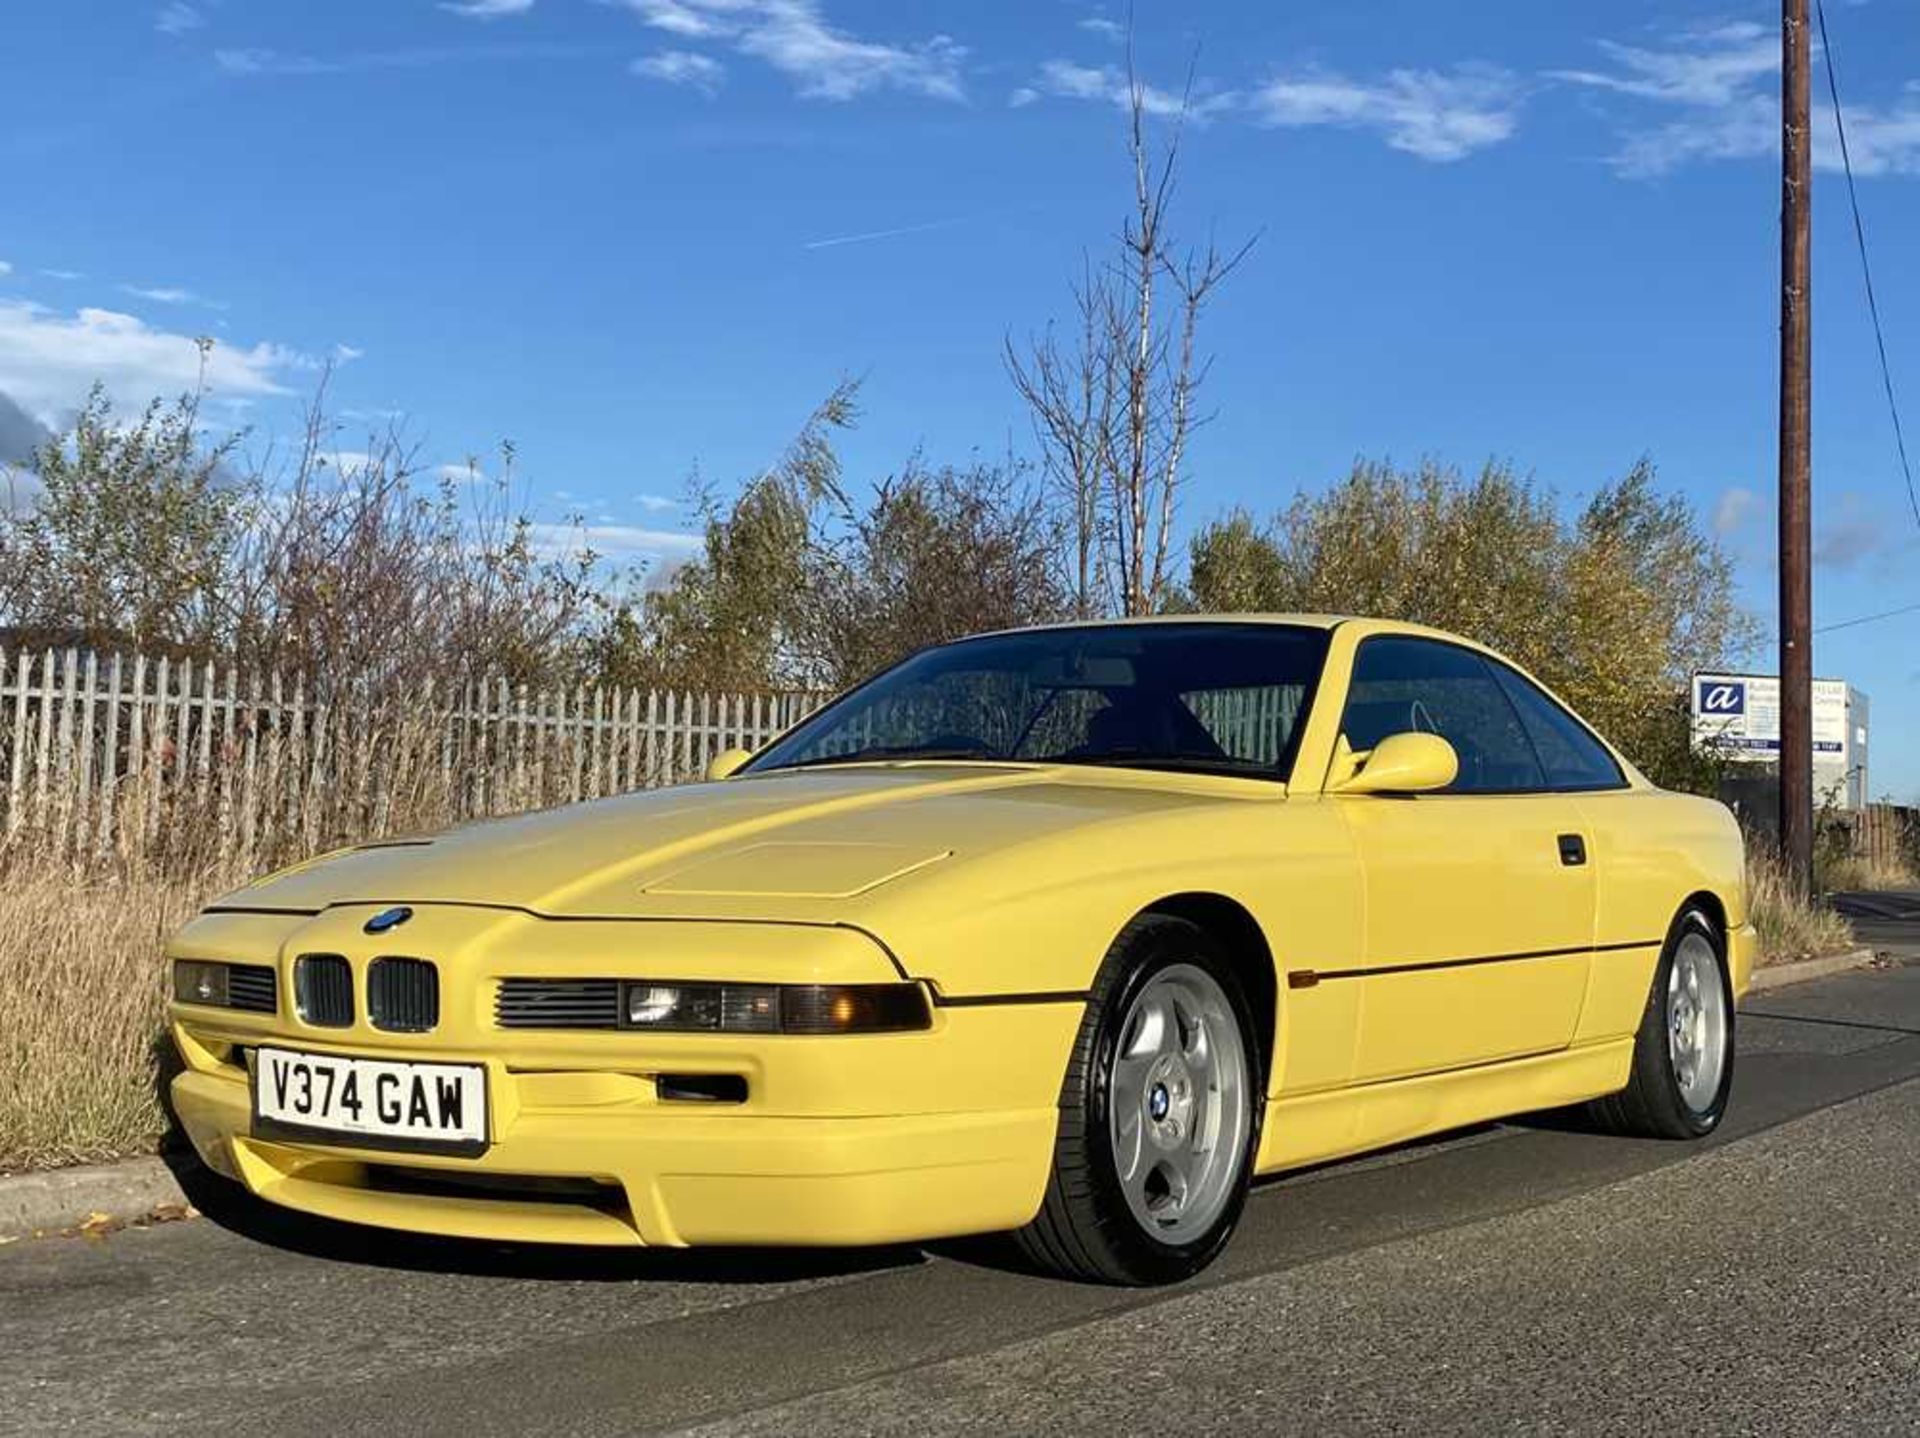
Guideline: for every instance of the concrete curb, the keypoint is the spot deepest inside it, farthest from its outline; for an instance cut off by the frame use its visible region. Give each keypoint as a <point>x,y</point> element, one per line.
<point>36,1203</point>
<point>1776,976</point>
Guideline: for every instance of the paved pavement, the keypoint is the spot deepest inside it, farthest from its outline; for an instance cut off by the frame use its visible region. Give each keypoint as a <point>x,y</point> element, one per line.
<point>1888,921</point>
<point>1524,1277</point>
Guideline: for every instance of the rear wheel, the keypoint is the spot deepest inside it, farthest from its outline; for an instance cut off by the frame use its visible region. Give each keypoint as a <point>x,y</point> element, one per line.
<point>1159,1114</point>
<point>1683,1053</point>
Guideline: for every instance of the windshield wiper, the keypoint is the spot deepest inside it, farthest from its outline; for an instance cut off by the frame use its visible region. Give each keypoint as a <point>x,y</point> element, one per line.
<point>878,752</point>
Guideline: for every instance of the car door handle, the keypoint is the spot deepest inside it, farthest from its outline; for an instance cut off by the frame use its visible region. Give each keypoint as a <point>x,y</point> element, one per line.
<point>1573,850</point>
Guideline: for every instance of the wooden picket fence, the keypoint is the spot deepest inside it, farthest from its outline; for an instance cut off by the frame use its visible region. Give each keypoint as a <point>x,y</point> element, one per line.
<point>162,761</point>
<point>1886,836</point>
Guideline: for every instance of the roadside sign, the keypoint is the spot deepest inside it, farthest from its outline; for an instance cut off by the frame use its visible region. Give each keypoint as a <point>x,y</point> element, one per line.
<point>1739,715</point>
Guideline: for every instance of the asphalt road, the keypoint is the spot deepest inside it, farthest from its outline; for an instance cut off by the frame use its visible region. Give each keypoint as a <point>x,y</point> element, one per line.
<point>1521,1277</point>
<point>1888,921</point>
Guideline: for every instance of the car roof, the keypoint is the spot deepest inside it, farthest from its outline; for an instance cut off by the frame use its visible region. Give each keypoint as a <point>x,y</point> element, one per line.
<point>1299,621</point>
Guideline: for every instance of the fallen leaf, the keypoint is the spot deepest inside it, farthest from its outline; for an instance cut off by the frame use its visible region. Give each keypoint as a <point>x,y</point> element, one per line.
<point>99,1225</point>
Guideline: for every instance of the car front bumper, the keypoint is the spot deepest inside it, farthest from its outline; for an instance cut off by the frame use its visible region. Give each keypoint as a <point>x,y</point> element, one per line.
<point>840,1139</point>
<point>1743,950</point>
<point>595,1157</point>
<point>668,1179</point>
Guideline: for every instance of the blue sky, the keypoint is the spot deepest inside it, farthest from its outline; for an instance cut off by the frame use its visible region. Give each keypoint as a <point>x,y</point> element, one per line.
<point>640,235</point>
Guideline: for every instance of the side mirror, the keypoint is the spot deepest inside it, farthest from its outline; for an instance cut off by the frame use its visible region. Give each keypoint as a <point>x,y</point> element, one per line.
<point>1404,764</point>
<point>726,764</point>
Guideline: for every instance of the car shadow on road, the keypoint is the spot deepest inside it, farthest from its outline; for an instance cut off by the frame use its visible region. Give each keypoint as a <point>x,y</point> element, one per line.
<point>228,1205</point>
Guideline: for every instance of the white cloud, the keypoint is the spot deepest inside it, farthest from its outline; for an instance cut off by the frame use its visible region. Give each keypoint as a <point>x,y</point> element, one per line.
<point>662,571</point>
<point>170,295</point>
<point>178,19</point>
<point>1732,509</point>
<point>1106,29</point>
<point>1723,84</point>
<point>616,541</point>
<point>347,354</point>
<point>347,463</point>
<point>5,269</point>
<point>1066,80</point>
<point>690,18</point>
<point>1436,115</point>
<point>682,67</point>
<point>48,360</point>
<point>253,61</point>
<point>794,38</point>
<point>1716,66</point>
<point>486,9</point>
<point>63,274</point>
<point>655,503</point>
<point>260,61</point>
<point>1737,132</point>
<point>1857,533</point>
<point>1882,141</point>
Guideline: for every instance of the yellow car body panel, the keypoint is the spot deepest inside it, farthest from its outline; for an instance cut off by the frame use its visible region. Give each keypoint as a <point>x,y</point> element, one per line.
<point>1425,963</point>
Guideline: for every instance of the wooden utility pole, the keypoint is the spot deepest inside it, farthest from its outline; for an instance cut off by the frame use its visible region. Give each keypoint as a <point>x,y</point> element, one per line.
<point>1796,450</point>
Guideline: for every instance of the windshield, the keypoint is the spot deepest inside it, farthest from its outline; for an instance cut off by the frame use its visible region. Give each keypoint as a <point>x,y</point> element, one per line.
<point>1221,698</point>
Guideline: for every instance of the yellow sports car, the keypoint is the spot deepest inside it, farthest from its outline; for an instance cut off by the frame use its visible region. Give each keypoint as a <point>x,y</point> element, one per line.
<point>1067,932</point>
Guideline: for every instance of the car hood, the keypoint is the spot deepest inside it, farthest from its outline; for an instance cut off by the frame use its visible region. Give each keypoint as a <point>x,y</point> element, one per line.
<point>807,844</point>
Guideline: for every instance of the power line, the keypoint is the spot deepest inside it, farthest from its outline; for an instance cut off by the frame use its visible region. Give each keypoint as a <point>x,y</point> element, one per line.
<point>1866,269</point>
<point>1868,618</point>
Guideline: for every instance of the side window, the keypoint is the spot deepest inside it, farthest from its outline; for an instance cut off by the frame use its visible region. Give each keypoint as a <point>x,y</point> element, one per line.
<point>1572,757</point>
<point>1420,685</point>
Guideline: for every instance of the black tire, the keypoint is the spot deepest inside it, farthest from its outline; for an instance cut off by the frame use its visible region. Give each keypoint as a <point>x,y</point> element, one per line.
<point>1085,1228</point>
<point>1652,1104</point>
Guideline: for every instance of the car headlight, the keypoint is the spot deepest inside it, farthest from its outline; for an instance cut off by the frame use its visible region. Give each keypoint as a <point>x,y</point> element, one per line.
<point>774,1008</point>
<point>198,982</point>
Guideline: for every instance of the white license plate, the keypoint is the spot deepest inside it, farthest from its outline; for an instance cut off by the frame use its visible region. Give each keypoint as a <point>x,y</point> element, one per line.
<point>376,1102</point>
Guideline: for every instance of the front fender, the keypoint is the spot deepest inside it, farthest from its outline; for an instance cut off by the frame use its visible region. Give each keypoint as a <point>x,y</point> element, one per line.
<point>1038,917</point>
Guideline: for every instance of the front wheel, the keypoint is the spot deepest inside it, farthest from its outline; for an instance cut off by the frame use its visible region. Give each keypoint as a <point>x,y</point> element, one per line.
<point>1159,1114</point>
<point>1683,1053</point>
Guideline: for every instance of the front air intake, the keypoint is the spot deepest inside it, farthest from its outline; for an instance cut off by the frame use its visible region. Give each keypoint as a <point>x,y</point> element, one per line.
<point>252,987</point>
<point>558,1004</point>
<point>323,990</point>
<point>403,995</point>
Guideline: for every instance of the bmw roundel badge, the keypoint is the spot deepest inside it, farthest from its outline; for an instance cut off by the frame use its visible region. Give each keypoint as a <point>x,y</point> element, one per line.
<point>389,919</point>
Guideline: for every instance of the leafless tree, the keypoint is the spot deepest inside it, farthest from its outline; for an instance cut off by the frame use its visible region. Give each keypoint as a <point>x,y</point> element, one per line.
<point>359,568</point>
<point>1114,414</point>
<point>1073,399</point>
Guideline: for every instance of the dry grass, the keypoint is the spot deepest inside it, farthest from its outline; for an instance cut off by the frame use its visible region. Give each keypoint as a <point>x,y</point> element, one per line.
<point>1852,872</point>
<point>1792,925</point>
<point>81,1011</point>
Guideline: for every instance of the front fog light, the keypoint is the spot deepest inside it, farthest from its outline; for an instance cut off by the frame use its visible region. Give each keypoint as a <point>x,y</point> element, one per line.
<point>198,982</point>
